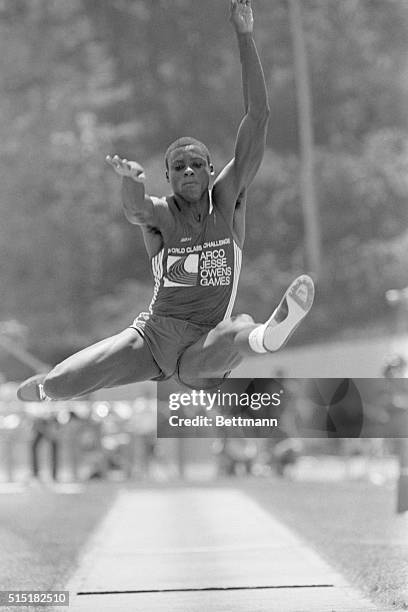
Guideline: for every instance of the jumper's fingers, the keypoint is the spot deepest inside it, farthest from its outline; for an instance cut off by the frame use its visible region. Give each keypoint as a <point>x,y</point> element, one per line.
<point>110,161</point>
<point>117,162</point>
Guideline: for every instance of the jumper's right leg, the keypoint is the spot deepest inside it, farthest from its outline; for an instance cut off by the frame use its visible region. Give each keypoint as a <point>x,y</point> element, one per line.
<point>119,360</point>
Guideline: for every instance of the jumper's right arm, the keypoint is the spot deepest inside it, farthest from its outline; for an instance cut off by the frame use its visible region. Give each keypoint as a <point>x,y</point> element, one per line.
<point>138,207</point>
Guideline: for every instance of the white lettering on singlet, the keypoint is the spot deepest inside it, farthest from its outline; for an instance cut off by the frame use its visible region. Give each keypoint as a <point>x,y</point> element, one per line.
<point>213,263</point>
<point>185,250</point>
<point>216,243</point>
<point>214,268</point>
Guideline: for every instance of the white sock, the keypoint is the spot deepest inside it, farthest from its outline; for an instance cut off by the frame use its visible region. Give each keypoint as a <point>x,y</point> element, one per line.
<point>255,339</point>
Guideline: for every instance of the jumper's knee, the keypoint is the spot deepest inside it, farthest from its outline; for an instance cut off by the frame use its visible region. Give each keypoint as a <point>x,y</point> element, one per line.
<point>242,319</point>
<point>231,327</point>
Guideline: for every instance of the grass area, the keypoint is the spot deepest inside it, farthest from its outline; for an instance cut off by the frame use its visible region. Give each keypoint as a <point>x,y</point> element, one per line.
<point>42,532</point>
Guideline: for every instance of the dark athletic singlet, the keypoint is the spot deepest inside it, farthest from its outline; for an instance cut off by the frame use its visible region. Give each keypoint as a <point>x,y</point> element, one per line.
<point>196,273</point>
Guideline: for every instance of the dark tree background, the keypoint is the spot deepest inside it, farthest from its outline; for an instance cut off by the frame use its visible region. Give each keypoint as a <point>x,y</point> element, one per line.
<point>84,78</point>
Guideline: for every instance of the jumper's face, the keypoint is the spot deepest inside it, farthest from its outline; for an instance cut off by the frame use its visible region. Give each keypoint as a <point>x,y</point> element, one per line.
<point>189,172</point>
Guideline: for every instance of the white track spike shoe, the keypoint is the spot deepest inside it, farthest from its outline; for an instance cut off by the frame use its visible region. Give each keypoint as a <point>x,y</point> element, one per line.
<point>293,307</point>
<point>31,390</point>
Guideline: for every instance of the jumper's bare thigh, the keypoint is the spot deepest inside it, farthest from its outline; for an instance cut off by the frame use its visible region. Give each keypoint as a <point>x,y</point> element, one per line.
<point>119,360</point>
<point>216,352</point>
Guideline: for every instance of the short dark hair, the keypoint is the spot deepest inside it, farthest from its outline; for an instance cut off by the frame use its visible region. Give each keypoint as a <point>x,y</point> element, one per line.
<point>186,141</point>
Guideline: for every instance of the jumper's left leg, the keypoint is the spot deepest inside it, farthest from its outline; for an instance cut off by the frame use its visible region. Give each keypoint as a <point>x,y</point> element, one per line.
<point>224,347</point>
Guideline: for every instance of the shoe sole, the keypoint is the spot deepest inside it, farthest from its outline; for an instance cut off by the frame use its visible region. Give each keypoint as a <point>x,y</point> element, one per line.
<point>299,298</point>
<point>28,390</point>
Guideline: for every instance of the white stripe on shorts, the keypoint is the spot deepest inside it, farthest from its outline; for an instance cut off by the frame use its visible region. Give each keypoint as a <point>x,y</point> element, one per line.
<point>157,268</point>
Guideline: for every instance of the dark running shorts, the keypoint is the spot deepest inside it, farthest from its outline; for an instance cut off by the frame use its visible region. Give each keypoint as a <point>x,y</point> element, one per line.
<point>167,339</point>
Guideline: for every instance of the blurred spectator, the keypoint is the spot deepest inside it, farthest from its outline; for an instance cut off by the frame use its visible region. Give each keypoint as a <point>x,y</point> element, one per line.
<point>45,429</point>
<point>282,454</point>
<point>144,410</point>
<point>396,401</point>
<point>90,443</point>
<point>10,424</point>
<point>73,419</point>
<point>236,456</point>
<point>395,366</point>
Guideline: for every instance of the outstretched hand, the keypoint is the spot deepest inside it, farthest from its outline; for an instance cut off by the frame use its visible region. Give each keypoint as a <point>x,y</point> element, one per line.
<point>241,16</point>
<point>123,167</point>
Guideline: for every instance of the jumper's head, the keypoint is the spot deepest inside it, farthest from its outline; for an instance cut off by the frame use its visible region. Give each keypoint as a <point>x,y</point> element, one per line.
<point>188,168</point>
